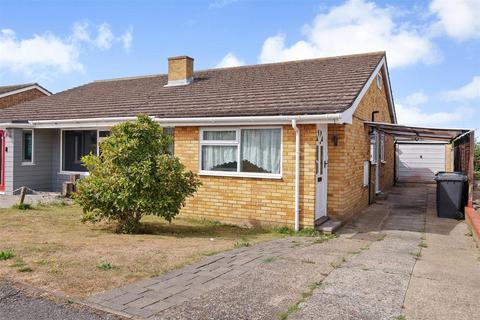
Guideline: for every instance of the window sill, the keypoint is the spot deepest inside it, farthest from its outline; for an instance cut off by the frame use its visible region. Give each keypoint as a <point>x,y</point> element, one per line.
<point>241,175</point>
<point>28,163</point>
<point>82,173</point>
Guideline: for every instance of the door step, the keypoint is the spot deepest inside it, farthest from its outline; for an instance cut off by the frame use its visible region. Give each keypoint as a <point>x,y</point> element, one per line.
<point>328,226</point>
<point>381,196</point>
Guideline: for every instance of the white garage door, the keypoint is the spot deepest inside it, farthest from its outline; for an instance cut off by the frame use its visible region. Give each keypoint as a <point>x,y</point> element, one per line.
<point>420,162</point>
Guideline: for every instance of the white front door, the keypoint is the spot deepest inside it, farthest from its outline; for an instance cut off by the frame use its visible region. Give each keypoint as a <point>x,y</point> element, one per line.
<point>321,164</point>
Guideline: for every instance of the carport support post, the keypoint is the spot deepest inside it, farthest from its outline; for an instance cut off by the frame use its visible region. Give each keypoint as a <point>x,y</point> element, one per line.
<point>470,170</point>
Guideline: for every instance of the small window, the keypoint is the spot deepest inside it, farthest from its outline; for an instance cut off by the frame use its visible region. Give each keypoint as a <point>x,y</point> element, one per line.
<point>382,148</point>
<point>373,147</point>
<point>379,81</point>
<point>366,173</point>
<point>27,146</point>
<point>170,132</point>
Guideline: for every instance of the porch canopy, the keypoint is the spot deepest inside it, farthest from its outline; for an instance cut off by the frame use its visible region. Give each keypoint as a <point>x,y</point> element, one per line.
<point>463,141</point>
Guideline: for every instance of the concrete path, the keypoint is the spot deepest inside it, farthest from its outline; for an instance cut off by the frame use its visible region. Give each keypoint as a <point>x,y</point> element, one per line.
<point>446,279</point>
<point>373,270</point>
<point>372,284</point>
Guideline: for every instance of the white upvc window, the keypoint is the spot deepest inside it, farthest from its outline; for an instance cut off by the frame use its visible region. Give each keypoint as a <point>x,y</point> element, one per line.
<point>27,147</point>
<point>254,152</point>
<point>382,147</point>
<point>366,173</point>
<point>373,147</point>
<point>379,81</point>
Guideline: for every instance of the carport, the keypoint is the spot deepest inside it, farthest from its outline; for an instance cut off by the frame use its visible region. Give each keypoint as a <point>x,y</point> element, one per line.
<point>462,141</point>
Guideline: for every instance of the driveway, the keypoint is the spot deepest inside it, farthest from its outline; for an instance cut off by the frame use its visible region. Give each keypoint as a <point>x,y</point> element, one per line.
<point>397,258</point>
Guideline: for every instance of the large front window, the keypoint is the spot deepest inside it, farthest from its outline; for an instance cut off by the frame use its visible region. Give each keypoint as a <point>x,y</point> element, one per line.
<point>75,145</point>
<point>254,152</point>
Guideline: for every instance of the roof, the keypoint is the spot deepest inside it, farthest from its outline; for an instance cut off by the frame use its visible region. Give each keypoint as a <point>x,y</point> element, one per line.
<point>305,87</point>
<point>418,133</point>
<point>12,89</point>
<point>15,87</point>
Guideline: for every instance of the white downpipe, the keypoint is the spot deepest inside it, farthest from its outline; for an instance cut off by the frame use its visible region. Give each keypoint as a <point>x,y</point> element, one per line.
<point>297,174</point>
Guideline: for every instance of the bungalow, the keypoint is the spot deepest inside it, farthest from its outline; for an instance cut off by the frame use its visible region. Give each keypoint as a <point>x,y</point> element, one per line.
<point>282,143</point>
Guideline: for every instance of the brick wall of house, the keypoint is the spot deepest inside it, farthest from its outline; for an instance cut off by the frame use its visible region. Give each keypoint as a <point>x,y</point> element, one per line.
<point>346,193</point>
<point>14,99</point>
<point>253,200</point>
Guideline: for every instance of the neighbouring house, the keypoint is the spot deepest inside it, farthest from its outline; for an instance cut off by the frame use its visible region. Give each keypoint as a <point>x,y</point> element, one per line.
<point>282,143</point>
<point>15,94</point>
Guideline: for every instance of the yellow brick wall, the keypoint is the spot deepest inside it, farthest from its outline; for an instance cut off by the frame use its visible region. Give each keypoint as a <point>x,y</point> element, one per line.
<point>253,200</point>
<point>346,193</point>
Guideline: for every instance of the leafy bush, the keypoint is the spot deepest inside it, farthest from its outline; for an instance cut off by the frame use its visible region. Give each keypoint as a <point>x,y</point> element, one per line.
<point>6,254</point>
<point>106,266</point>
<point>134,176</point>
<point>22,206</point>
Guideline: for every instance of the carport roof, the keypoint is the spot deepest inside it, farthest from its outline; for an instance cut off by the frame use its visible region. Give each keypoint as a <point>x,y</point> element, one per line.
<point>417,133</point>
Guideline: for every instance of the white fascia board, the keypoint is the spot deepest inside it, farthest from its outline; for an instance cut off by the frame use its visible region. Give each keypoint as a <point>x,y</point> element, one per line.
<point>347,115</point>
<point>9,125</point>
<point>80,123</point>
<point>187,122</point>
<point>6,94</point>
<point>254,120</point>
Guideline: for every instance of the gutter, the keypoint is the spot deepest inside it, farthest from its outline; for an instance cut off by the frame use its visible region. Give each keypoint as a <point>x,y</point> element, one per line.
<point>297,174</point>
<point>186,122</point>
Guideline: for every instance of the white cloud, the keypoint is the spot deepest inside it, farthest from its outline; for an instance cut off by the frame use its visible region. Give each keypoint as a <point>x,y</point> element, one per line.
<point>104,38</point>
<point>127,39</point>
<point>220,3</point>
<point>40,53</point>
<point>460,19</point>
<point>470,91</point>
<point>416,98</point>
<point>354,27</point>
<point>415,116</point>
<point>230,60</point>
<point>44,55</point>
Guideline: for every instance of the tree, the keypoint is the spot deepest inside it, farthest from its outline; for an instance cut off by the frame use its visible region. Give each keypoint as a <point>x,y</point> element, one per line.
<point>133,176</point>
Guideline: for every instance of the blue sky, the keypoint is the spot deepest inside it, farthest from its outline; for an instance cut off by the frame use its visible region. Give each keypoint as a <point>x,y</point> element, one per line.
<point>433,46</point>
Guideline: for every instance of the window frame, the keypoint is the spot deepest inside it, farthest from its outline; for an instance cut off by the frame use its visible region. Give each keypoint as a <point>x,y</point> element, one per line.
<point>373,147</point>
<point>379,81</point>
<point>382,147</point>
<point>30,162</point>
<point>236,143</point>
<point>82,173</point>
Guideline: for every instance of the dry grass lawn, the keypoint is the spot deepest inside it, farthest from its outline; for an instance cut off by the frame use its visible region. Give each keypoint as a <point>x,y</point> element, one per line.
<point>53,250</point>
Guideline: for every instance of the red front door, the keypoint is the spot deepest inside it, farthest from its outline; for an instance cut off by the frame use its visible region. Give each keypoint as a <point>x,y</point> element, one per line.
<point>2,161</point>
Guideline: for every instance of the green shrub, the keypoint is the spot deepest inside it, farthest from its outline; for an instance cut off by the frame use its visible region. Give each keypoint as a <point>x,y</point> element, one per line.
<point>6,254</point>
<point>242,243</point>
<point>106,266</point>
<point>134,176</point>
<point>23,206</point>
